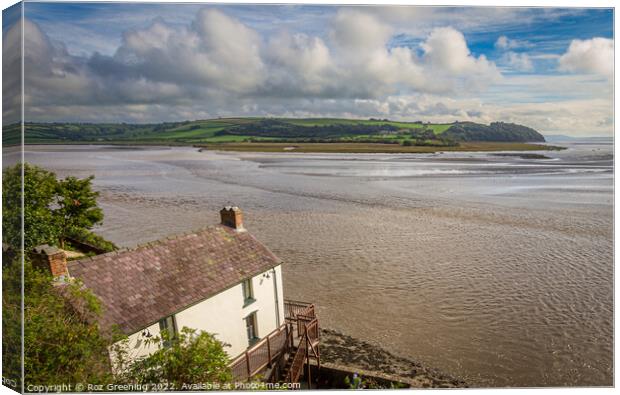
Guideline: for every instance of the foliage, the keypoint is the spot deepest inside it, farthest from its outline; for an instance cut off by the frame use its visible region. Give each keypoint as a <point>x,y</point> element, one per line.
<point>423,134</point>
<point>39,188</point>
<point>11,320</point>
<point>53,209</point>
<point>93,239</point>
<point>191,357</point>
<point>355,382</point>
<point>63,346</point>
<point>360,382</point>
<point>240,129</point>
<point>187,132</point>
<point>60,346</point>
<point>496,131</point>
<point>277,128</point>
<point>76,206</point>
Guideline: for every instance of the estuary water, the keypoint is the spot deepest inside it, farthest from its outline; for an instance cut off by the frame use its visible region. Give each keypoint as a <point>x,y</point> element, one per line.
<point>497,269</point>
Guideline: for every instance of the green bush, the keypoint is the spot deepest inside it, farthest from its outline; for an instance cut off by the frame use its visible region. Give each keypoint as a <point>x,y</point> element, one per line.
<point>191,357</point>
<point>59,345</point>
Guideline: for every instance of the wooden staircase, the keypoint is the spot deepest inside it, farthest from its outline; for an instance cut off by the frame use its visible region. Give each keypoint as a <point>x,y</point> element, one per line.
<point>307,330</point>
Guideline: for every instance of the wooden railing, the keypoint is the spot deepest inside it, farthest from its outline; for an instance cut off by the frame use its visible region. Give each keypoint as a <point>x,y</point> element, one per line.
<point>299,314</point>
<point>303,316</point>
<point>262,354</point>
<point>307,348</point>
<point>312,331</point>
<point>280,364</point>
<point>293,308</point>
<point>297,365</point>
<point>271,351</point>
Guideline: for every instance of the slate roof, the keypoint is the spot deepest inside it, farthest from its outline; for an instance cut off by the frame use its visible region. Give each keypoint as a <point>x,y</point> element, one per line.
<point>138,287</point>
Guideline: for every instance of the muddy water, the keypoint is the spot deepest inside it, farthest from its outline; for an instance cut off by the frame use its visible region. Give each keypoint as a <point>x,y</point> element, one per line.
<point>497,269</point>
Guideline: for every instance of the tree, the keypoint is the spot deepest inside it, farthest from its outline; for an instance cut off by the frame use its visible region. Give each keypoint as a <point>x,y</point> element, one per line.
<point>39,188</point>
<point>190,357</point>
<point>59,345</point>
<point>77,206</point>
<point>53,209</point>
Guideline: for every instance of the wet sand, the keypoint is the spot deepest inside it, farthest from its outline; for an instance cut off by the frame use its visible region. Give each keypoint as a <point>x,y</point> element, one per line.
<point>497,270</point>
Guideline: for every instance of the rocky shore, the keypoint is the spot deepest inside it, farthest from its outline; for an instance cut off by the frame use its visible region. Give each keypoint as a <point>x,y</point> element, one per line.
<point>340,349</point>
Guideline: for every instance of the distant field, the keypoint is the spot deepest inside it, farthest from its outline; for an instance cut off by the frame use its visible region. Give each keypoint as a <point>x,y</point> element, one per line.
<point>437,127</point>
<point>372,148</point>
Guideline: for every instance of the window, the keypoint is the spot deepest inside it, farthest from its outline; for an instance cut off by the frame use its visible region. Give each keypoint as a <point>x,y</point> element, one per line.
<point>248,292</point>
<point>168,325</point>
<point>250,326</point>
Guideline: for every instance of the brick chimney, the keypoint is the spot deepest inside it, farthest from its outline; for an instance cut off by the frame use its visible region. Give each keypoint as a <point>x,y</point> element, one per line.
<point>232,217</point>
<point>52,259</point>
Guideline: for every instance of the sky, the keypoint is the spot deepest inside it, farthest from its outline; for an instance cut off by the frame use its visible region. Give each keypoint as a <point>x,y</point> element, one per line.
<point>547,68</point>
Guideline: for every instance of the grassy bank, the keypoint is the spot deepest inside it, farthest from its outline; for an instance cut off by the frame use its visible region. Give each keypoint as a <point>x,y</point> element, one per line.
<point>373,148</point>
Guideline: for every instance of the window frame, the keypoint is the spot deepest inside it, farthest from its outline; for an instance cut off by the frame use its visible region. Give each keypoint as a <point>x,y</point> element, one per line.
<point>252,318</point>
<point>164,326</point>
<point>247,288</point>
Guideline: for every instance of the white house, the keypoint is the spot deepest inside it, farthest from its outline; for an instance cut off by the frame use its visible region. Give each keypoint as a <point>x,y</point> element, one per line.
<point>219,279</point>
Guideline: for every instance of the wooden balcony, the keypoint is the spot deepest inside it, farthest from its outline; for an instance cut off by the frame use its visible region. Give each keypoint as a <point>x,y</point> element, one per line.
<point>262,354</point>
<point>286,350</point>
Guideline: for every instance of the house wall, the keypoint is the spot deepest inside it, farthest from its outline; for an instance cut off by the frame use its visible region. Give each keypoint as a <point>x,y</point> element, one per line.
<point>136,345</point>
<point>223,315</point>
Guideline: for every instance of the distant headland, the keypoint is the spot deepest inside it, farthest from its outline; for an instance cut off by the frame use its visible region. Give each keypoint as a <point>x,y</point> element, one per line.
<point>291,134</point>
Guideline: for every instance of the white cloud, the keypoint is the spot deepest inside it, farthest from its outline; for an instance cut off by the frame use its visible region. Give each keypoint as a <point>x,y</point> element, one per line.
<point>366,68</point>
<point>589,56</point>
<point>519,61</point>
<point>299,62</point>
<point>217,59</point>
<point>502,42</point>
<point>216,50</point>
<point>356,31</point>
<point>11,74</point>
<point>446,52</point>
<point>505,43</point>
<point>219,66</point>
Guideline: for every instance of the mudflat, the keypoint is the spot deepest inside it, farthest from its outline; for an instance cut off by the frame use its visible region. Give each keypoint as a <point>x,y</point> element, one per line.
<point>374,147</point>
<point>495,269</point>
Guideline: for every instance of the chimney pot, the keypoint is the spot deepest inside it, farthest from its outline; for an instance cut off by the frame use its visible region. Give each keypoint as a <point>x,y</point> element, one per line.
<point>232,217</point>
<point>52,259</point>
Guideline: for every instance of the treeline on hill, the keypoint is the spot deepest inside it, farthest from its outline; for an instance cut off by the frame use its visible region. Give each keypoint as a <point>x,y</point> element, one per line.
<point>280,129</point>
<point>496,131</point>
<point>92,131</point>
<point>58,132</point>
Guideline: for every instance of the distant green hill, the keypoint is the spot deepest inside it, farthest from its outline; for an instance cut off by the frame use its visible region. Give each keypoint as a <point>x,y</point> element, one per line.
<point>312,130</point>
<point>496,131</point>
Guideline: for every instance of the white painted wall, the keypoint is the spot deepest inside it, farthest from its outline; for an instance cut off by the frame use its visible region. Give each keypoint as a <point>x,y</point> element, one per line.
<point>223,315</point>
<point>136,345</point>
